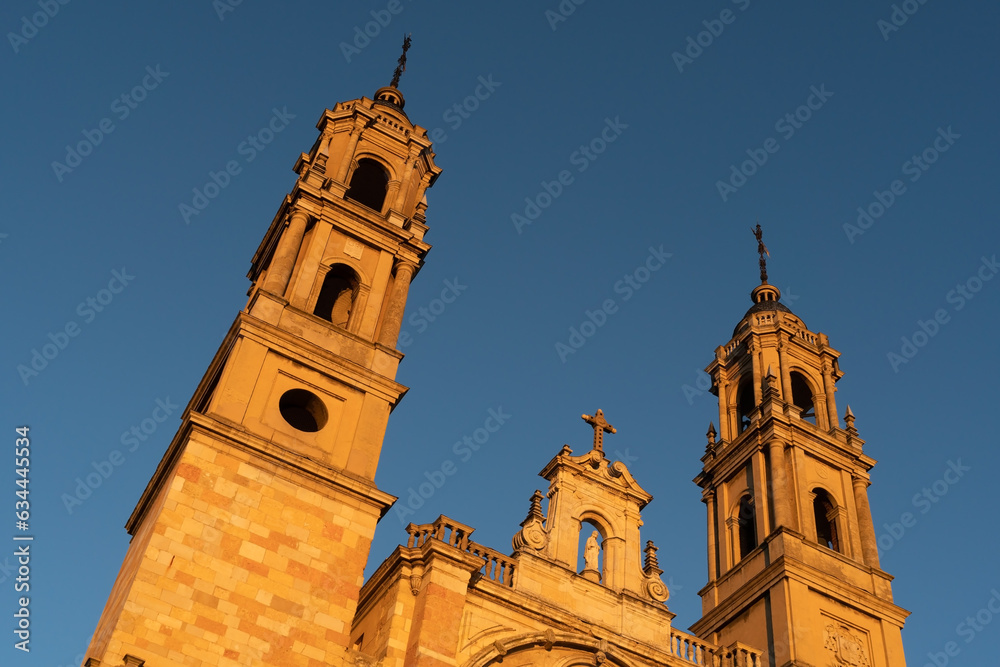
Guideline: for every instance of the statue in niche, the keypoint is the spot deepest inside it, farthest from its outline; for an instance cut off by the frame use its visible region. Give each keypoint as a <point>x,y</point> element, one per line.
<point>591,552</point>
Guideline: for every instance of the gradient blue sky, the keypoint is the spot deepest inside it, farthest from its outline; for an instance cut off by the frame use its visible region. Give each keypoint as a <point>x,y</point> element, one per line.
<point>495,345</point>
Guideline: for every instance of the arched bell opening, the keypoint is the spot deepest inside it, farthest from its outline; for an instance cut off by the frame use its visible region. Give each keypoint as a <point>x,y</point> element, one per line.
<point>745,533</point>
<point>338,295</point>
<point>369,184</point>
<point>825,514</point>
<point>802,397</point>
<point>745,402</point>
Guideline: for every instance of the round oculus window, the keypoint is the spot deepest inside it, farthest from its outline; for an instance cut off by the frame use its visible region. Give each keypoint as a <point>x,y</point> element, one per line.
<point>303,410</point>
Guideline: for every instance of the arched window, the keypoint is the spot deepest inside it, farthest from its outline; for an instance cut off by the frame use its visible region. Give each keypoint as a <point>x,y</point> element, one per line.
<point>745,401</point>
<point>368,184</point>
<point>336,296</point>
<point>802,396</point>
<point>826,524</point>
<point>747,523</point>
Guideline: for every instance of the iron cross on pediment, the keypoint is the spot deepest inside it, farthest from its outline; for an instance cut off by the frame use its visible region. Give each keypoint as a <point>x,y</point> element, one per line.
<point>601,426</point>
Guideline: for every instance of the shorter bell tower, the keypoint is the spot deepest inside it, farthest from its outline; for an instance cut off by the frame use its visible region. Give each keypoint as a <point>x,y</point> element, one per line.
<point>792,555</point>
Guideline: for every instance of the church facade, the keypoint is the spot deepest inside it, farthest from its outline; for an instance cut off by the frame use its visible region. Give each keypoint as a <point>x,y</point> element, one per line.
<point>249,544</point>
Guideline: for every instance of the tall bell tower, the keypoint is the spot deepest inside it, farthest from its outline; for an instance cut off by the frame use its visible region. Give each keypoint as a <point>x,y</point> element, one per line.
<point>792,555</point>
<point>250,541</point>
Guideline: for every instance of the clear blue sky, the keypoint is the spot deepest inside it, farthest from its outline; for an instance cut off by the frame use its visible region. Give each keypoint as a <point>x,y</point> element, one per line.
<point>681,125</point>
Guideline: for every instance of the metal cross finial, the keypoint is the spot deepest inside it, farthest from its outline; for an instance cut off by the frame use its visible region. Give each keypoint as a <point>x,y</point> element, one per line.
<point>401,66</point>
<point>601,426</point>
<point>762,249</point>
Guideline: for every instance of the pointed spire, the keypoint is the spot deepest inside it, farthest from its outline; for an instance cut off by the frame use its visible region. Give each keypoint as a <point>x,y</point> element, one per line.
<point>770,384</point>
<point>535,512</point>
<point>711,433</point>
<point>651,566</point>
<point>849,421</point>
<point>532,534</point>
<point>401,63</point>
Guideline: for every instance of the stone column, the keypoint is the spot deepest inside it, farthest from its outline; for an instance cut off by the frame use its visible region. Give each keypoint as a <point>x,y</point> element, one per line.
<point>725,543</point>
<point>318,166</point>
<point>803,494</point>
<point>404,184</point>
<point>614,566</point>
<point>712,547</point>
<point>869,543</point>
<point>819,409</point>
<point>786,372</point>
<point>345,162</point>
<point>828,389</point>
<point>725,418</point>
<point>733,535</point>
<point>283,260</point>
<point>758,372</point>
<point>761,515</point>
<point>393,320</point>
<point>779,484</point>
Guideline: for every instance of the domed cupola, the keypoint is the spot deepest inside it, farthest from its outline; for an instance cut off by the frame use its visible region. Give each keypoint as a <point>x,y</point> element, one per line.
<point>772,346</point>
<point>766,297</point>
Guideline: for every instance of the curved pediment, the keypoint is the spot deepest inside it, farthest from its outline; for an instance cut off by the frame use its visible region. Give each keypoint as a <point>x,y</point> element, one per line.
<point>595,467</point>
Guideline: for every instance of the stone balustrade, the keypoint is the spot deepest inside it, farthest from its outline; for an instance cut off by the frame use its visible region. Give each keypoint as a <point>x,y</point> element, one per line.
<point>443,529</point>
<point>700,652</point>
<point>496,566</point>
